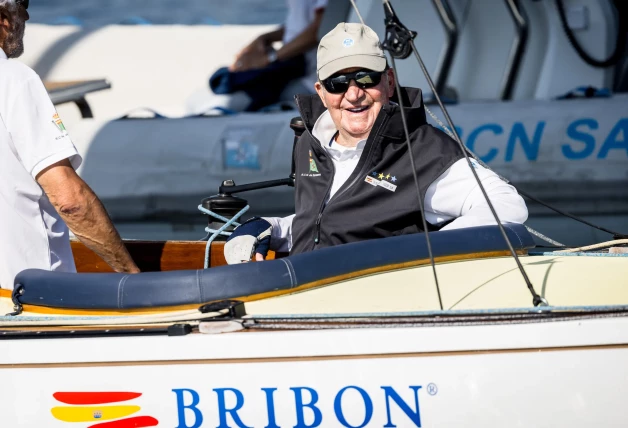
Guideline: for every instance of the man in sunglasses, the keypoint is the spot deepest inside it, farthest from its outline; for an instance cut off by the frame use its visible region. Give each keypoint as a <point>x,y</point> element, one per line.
<point>40,191</point>
<point>353,174</point>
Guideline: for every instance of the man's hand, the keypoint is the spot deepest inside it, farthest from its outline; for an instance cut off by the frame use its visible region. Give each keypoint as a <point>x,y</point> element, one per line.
<point>251,56</point>
<point>85,215</point>
<point>250,61</point>
<point>251,237</point>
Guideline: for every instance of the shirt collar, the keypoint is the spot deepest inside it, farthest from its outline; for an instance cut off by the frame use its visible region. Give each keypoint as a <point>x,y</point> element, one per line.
<point>325,130</point>
<point>2,54</point>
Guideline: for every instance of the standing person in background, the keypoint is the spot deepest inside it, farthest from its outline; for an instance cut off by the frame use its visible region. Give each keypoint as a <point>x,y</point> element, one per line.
<point>40,191</point>
<point>263,72</point>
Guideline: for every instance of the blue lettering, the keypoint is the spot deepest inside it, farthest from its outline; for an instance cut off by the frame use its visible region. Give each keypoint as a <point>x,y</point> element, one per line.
<point>181,406</point>
<point>298,401</point>
<point>587,139</point>
<point>612,142</point>
<point>368,407</point>
<point>270,407</point>
<point>530,148</point>
<point>496,129</point>
<point>222,408</point>
<point>414,416</point>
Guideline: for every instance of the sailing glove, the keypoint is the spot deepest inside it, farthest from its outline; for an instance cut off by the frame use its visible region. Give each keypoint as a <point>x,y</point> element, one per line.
<point>252,236</point>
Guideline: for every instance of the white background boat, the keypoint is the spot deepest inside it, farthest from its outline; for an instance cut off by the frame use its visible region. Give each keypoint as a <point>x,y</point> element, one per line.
<point>572,153</point>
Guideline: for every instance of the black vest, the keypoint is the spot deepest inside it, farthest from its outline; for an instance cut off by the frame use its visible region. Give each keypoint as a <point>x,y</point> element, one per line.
<point>379,199</point>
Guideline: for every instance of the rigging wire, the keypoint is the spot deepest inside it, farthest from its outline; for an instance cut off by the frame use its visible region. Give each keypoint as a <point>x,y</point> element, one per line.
<point>399,35</point>
<point>536,299</point>
<point>446,129</point>
<point>357,11</point>
<point>416,179</point>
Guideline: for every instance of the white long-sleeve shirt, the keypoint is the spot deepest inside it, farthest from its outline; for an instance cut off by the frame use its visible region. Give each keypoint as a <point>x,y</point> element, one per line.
<point>454,195</point>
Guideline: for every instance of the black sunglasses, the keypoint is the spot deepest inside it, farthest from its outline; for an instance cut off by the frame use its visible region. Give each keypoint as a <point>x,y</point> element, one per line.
<point>339,83</point>
<point>24,3</point>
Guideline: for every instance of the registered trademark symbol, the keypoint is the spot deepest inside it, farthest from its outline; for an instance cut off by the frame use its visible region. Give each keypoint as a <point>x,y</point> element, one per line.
<point>432,389</point>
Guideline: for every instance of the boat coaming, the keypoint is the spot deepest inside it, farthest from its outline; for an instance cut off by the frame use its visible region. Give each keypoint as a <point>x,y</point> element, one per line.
<point>254,281</point>
<point>387,275</point>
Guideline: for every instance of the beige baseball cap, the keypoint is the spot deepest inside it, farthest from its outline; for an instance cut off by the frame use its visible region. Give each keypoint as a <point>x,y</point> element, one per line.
<point>349,45</point>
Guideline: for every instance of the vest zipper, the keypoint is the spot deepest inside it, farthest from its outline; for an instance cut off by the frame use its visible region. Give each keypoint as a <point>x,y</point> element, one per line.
<point>317,235</point>
<point>371,147</point>
<point>318,228</point>
<point>358,176</point>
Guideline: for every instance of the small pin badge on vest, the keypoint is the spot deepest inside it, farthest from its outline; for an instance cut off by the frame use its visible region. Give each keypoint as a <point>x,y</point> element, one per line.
<point>382,180</point>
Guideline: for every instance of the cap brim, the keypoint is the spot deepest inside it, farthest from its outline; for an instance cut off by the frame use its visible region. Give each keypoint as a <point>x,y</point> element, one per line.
<point>370,62</point>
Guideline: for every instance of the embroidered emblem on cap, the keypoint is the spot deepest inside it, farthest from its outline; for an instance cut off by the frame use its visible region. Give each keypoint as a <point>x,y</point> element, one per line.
<point>347,42</point>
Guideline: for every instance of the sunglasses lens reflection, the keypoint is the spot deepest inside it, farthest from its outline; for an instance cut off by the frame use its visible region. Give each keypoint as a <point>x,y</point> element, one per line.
<point>364,79</point>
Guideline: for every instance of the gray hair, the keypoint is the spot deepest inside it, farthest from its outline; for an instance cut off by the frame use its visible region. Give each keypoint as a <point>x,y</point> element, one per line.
<point>13,45</point>
<point>8,4</point>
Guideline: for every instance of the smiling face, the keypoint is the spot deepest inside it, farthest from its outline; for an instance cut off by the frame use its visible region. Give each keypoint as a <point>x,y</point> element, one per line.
<point>354,111</point>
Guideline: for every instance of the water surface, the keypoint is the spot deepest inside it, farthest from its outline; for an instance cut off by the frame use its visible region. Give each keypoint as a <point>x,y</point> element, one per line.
<point>96,13</point>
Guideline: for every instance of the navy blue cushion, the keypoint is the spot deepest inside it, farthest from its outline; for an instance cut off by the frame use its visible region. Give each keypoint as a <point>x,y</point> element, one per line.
<point>151,289</point>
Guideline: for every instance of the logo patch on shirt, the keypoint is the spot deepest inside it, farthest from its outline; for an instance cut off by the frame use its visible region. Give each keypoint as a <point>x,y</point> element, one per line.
<point>313,168</point>
<point>382,180</point>
<point>348,42</point>
<point>56,121</point>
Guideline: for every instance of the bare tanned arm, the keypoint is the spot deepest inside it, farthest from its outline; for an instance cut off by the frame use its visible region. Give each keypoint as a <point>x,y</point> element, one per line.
<point>84,214</point>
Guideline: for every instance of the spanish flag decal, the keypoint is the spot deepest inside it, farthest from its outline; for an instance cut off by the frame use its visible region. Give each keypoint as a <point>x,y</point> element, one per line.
<point>90,407</point>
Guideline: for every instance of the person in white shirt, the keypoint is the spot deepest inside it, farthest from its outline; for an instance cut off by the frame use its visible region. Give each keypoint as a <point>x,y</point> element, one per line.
<point>358,184</point>
<point>261,76</point>
<point>299,35</point>
<point>40,191</point>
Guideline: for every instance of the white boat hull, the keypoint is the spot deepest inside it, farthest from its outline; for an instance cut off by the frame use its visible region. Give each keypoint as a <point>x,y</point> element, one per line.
<point>563,373</point>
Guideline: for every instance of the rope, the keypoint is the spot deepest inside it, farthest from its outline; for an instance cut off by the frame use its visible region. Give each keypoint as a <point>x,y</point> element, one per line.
<point>357,11</point>
<point>441,124</point>
<point>596,246</point>
<point>221,231</point>
<point>543,237</point>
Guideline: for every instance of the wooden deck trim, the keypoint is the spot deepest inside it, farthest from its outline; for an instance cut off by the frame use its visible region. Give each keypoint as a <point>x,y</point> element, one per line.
<point>155,256</point>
